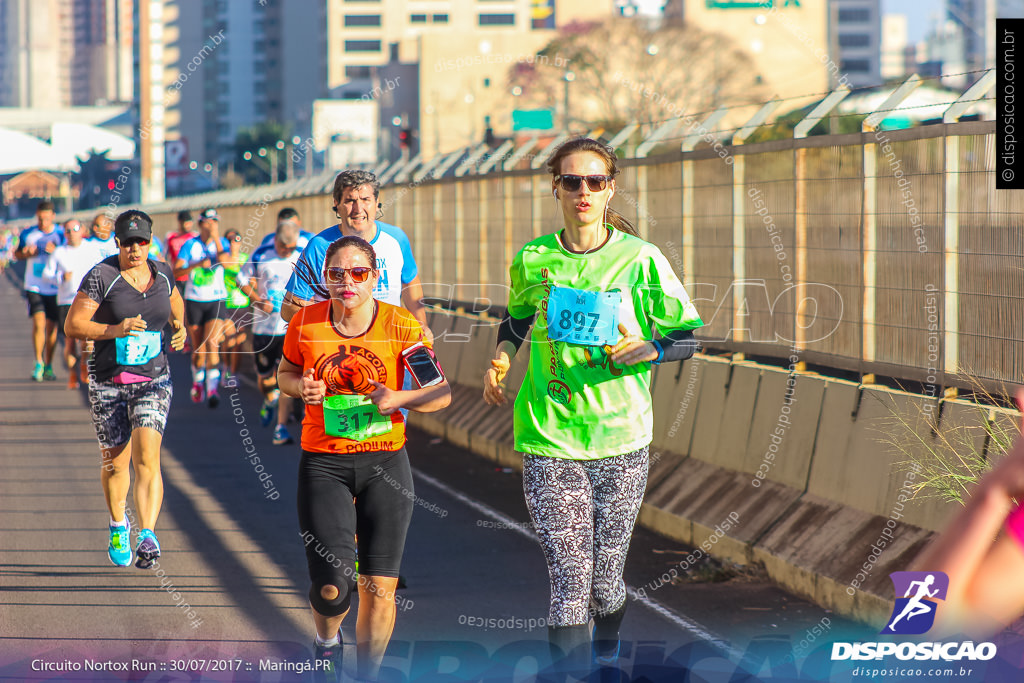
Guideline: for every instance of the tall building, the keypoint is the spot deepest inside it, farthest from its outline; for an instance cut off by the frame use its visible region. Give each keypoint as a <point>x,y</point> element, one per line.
<point>34,64</point>
<point>360,35</point>
<point>785,39</point>
<point>225,66</point>
<point>975,21</point>
<point>894,46</point>
<point>855,34</point>
<point>59,53</point>
<point>101,51</point>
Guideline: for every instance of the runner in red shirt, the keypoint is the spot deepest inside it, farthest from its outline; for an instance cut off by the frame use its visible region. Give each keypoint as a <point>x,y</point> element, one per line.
<point>175,240</point>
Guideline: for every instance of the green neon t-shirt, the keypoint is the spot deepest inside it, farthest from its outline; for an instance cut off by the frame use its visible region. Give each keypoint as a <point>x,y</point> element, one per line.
<point>571,406</point>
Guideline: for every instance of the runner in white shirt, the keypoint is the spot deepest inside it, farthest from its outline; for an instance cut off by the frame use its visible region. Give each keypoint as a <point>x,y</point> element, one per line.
<point>201,258</point>
<point>264,278</point>
<point>103,236</point>
<point>35,244</point>
<point>289,214</point>
<point>68,264</point>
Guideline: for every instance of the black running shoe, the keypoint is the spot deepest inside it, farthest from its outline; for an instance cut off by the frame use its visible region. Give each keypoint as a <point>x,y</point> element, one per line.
<point>147,550</point>
<point>327,662</point>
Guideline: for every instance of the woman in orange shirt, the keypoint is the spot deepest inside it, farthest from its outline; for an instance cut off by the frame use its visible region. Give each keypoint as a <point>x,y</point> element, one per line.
<point>344,358</point>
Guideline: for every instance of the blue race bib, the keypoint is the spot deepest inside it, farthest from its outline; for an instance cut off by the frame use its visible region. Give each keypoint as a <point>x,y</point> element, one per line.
<point>276,297</point>
<point>37,268</point>
<point>138,348</point>
<point>580,317</point>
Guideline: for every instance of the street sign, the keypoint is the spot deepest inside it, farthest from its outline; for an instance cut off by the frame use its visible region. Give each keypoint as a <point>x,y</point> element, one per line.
<point>533,119</point>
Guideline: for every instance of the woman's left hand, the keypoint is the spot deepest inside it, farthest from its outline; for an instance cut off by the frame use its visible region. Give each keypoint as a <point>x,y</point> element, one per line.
<point>386,400</point>
<point>631,349</point>
<point>178,338</point>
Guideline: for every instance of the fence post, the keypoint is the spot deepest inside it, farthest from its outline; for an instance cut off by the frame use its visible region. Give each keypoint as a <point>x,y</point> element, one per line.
<point>689,231</point>
<point>951,222</point>
<point>739,224</point>
<point>869,212</point>
<point>800,205</point>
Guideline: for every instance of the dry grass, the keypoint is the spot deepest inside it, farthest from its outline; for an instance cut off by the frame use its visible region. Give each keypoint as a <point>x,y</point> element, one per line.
<point>949,460</point>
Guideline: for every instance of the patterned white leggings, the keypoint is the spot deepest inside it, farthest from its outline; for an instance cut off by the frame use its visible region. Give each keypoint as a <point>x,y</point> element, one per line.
<point>584,512</point>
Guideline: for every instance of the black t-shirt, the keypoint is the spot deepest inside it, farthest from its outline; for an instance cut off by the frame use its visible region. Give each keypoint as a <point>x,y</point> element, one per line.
<point>118,300</point>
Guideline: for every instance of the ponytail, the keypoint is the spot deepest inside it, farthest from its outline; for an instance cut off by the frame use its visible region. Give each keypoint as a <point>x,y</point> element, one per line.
<point>620,222</point>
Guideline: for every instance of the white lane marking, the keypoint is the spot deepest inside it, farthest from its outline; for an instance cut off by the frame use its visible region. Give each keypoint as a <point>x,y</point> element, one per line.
<point>685,623</point>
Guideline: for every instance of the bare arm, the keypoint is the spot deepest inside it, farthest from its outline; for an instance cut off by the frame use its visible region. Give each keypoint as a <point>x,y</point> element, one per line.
<point>425,400</point>
<point>412,299</point>
<point>304,386</point>
<point>25,251</point>
<point>181,267</point>
<point>177,320</point>
<point>494,389</point>
<point>291,305</point>
<point>80,324</point>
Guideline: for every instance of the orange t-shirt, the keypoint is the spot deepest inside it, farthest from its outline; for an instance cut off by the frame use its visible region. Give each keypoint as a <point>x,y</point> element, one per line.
<point>347,364</point>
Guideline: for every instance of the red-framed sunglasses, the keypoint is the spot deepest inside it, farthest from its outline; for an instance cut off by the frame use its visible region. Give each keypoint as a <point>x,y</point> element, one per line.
<point>359,273</point>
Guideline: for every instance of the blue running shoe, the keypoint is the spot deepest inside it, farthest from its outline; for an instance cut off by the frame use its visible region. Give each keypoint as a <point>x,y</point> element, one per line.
<point>267,412</point>
<point>147,550</point>
<point>119,549</point>
<point>281,436</point>
<point>37,374</point>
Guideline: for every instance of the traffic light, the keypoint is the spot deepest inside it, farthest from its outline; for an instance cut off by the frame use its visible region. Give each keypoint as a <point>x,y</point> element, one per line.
<point>404,138</point>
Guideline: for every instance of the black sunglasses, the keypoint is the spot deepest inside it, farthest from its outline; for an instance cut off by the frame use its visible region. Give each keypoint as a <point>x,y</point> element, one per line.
<point>127,244</point>
<point>359,273</point>
<point>572,183</point>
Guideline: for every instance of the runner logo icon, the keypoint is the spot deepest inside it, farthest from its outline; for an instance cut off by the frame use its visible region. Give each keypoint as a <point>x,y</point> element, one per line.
<point>916,596</point>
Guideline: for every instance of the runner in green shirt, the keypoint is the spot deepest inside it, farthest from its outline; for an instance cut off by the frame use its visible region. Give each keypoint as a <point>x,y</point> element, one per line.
<point>607,306</point>
<point>237,303</point>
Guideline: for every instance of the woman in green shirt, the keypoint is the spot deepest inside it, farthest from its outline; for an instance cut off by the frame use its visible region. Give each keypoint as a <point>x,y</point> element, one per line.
<point>607,306</point>
<point>237,302</point>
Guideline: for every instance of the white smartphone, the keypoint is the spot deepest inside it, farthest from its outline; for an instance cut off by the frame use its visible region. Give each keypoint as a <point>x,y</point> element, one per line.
<point>421,363</point>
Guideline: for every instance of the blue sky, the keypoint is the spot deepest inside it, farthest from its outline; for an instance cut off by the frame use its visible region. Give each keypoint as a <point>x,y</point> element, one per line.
<point>919,13</point>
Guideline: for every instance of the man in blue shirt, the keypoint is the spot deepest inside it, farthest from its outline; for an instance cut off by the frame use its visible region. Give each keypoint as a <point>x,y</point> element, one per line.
<point>355,204</point>
<point>35,244</point>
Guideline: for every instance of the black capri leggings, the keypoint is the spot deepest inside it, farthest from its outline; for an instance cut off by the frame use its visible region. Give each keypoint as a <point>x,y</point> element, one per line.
<point>381,483</point>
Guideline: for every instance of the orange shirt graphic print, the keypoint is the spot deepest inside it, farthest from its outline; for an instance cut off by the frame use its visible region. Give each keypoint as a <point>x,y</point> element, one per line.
<point>348,365</point>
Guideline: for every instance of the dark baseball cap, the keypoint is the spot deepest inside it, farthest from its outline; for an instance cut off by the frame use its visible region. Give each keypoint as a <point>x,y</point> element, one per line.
<point>184,216</point>
<point>209,215</point>
<point>133,225</point>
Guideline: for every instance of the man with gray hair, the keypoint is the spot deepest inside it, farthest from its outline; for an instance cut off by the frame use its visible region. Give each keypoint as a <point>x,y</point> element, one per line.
<point>356,195</point>
<point>263,279</point>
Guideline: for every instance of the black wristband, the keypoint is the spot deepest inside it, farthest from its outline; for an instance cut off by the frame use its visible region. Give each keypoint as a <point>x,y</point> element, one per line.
<point>514,330</point>
<point>678,345</point>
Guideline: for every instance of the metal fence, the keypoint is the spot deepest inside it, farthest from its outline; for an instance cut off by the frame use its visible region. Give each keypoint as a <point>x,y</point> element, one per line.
<point>883,251</point>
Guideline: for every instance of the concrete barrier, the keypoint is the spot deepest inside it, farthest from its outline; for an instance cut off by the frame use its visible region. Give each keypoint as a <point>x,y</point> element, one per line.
<point>734,423</point>
<point>711,407</point>
<point>784,427</point>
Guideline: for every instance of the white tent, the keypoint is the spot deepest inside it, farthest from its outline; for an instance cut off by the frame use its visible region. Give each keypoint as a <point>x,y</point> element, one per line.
<point>23,152</point>
<point>79,139</point>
